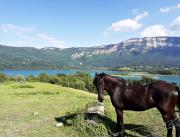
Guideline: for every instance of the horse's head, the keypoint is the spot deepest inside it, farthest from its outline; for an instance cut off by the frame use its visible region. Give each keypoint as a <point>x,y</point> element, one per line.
<point>100,85</point>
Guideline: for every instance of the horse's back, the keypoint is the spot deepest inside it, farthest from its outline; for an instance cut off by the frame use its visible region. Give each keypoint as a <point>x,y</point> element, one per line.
<point>137,98</point>
<point>162,87</point>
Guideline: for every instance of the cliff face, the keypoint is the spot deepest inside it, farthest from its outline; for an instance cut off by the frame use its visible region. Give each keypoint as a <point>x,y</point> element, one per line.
<point>142,45</point>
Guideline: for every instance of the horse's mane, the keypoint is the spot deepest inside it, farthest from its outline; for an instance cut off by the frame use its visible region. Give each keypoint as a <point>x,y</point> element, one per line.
<point>113,78</point>
<point>118,79</point>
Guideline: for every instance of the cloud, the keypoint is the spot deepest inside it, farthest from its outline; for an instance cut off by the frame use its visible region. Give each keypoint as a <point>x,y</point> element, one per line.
<point>141,16</point>
<point>175,25</point>
<point>153,31</point>
<point>14,28</point>
<point>161,30</point>
<point>165,9</point>
<point>20,31</point>
<point>126,25</point>
<point>52,41</point>
<point>20,44</point>
<point>168,9</point>
<point>135,11</point>
<point>27,36</point>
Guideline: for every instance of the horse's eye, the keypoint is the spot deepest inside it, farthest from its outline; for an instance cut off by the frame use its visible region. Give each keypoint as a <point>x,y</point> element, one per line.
<point>101,81</point>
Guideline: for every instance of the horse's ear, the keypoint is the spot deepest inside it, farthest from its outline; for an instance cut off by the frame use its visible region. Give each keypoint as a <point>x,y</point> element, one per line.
<point>103,74</point>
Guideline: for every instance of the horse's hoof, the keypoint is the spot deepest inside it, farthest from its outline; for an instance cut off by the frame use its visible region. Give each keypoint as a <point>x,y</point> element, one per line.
<point>117,135</point>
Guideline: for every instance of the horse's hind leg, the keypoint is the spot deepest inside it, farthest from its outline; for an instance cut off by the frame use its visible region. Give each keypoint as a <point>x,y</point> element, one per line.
<point>176,122</point>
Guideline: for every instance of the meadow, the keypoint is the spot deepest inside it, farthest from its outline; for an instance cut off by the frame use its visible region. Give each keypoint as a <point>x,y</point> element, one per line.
<point>31,109</point>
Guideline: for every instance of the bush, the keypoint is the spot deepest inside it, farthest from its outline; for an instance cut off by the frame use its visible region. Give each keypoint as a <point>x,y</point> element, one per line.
<point>11,78</point>
<point>43,77</point>
<point>20,78</point>
<point>144,80</point>
<point>31,78</point>
<point>78,84</point>
<point>88,81</point>
<point>55,80</point>
<point>2,77</point>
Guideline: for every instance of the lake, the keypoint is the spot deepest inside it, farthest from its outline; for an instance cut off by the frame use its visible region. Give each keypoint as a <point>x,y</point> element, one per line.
<point>168,78</point>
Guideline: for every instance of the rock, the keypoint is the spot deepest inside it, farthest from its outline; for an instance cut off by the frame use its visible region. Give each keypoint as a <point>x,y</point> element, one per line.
<point>96,110</point>
<point>91,122</point>
<point>100,104</point>
<point>59,124</point>
<point>93,112</point>
<point>35,113</point>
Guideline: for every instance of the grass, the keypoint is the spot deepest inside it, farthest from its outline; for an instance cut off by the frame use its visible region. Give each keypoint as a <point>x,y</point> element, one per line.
<point>32,109</point>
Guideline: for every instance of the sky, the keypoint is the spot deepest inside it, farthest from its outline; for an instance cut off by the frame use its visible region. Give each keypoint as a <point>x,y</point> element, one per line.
<point>85,23</point>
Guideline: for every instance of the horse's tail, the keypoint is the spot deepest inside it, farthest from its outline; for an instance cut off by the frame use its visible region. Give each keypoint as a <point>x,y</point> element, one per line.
<point>178,103</point>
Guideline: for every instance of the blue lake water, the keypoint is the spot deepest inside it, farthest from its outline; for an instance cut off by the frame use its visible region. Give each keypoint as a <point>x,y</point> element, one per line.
<point>168,78</point>
<point>53,72</point>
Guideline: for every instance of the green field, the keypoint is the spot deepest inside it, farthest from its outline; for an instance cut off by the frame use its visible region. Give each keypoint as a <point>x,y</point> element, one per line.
<point>29,110</point>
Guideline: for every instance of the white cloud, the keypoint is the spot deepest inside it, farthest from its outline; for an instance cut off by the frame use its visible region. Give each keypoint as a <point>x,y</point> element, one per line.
<point>135,11</point>
<point>126,25</point>
<point>161,30</point>
<point>14,28</point>
<point>20,44</point>
<point>175,25</point>
<point>168,9</point>
<point>28,36</point>
<point>153,31</point>
<point>165,9</point>
<point>141,16</point>
<point>52,41</point>
<point>178,5</point>
<point>20,31</point>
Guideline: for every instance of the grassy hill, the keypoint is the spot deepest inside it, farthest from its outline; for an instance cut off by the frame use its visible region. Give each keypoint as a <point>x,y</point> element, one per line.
<point>30,109</point>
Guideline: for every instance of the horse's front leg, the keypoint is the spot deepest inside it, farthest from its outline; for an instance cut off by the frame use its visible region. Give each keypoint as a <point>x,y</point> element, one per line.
<point>120,124</point>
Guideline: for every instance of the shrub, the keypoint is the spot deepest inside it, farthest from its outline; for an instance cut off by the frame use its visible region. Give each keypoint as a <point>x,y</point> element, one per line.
<point>43,77</point>
<point>2,77</point>
<point>20,78</point>
<point>78,84</point>
<point>144,80</point>
<point>88,81</point>
<point>55,80</point>
<point>31,78</point>
<point>11,78</point>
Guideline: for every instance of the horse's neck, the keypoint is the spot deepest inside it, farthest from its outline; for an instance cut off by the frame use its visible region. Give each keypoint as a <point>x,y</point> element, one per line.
<point>110,85</point>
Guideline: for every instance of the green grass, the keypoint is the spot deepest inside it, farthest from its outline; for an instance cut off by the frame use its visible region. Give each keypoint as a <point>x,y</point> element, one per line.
<point>19,102</point>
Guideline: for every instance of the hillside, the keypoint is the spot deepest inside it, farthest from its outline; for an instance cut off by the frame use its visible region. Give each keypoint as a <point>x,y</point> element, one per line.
<point>30,109</point>
<point>164,51</point>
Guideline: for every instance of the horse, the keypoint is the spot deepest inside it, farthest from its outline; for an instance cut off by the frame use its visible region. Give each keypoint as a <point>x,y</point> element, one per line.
<point>160,94</point>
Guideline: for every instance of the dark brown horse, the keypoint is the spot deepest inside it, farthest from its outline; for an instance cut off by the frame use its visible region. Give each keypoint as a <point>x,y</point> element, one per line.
<point>159,94</point>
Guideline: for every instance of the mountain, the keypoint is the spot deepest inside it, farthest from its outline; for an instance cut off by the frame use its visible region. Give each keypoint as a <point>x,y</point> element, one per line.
<point>164,51</point>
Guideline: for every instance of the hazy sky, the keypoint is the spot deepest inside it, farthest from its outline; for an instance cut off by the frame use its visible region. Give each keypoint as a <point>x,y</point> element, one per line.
<point>77,23</point>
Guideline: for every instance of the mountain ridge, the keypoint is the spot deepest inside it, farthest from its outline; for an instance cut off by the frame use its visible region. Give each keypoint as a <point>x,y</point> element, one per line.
<point>164,51</point>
